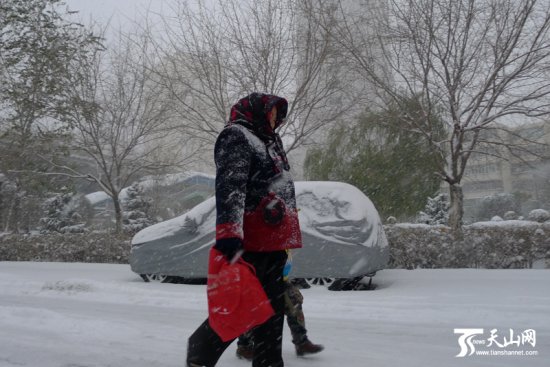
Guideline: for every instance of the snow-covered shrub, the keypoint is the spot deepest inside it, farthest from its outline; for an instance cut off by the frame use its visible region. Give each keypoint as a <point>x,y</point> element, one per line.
<point>436,210</point>
<point>510,215</point>
<point>136,207</point>
<point>417,245</point>
<point>539,215</point>
<point>496,218</point>
<point>62,214</point>
<point>391,220</point>
<point>492,245</point>
<point>77,228</point>
<point>67,247</point>
<point>497,204</point>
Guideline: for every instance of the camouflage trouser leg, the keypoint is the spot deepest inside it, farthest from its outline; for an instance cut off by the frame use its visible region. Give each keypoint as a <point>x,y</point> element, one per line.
<point>294,314</point>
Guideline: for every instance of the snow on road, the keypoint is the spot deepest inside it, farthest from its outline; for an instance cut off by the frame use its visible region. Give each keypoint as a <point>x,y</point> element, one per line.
<point>99,315</point>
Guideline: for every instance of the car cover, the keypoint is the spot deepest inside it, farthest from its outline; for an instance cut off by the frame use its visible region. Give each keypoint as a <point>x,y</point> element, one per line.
<point>236,300</point>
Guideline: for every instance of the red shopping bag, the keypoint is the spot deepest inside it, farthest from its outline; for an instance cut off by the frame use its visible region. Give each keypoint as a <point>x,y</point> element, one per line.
<point>236,300</point>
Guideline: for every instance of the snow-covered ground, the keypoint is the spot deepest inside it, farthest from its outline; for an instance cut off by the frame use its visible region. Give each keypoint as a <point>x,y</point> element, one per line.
<point>84,315</point>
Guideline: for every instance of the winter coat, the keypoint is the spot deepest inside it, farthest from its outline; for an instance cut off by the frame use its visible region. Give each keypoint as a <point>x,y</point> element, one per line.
<point>255,197</point>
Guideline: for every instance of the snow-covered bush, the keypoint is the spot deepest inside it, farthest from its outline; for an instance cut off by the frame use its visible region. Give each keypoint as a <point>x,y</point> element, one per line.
<point>497,204</point>
<point>539,215</point>
<point>93,247</point>
<point>492,245</point>
<point>510,215</point>
<point>136,207</point>
<point>62,214</point>
<point>436,210</point>
<point>77,228</point>
<point>496,218</point>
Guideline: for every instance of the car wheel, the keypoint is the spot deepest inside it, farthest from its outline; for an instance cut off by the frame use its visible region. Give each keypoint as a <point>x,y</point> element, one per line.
<point>352,284</point>
<point>320,281</point>
<point>156,278</point>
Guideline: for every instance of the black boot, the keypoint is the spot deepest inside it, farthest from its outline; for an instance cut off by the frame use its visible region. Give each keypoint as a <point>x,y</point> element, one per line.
<point>307,347</point>
<point>245,352</point>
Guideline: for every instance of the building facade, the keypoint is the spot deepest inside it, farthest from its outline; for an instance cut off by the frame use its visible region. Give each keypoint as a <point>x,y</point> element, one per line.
<point>523,170</point>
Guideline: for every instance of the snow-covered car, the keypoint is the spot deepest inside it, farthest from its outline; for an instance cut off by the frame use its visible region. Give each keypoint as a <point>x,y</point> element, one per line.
<point>343,239</point>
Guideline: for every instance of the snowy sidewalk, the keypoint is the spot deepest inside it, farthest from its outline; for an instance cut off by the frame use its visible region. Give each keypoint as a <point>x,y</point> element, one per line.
<point>98,315</point>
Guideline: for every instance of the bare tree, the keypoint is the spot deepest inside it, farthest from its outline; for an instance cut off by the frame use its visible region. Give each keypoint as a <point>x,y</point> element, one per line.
<point>120,120</point>
<point>481,64</point>
<point>38,49</point>
<point>210,55</point>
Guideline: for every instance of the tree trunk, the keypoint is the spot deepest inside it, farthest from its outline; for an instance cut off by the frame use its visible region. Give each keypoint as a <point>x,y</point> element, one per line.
<point>1,205</point>
<point>9,215</point>
<point>456,210</point>
<point>13,216</point>
<point>118,214</point>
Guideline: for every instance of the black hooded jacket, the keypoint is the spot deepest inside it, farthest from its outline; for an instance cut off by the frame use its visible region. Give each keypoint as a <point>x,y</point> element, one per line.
<point>255,198</point>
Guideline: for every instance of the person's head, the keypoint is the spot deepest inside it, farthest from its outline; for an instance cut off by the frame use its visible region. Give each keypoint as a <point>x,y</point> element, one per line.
<point>262,113</point>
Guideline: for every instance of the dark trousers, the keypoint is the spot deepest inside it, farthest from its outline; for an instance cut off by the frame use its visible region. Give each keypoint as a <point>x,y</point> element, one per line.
<point>205,347</point>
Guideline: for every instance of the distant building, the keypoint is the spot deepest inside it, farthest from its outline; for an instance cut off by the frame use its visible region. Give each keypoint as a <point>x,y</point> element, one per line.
<point>521,173</point>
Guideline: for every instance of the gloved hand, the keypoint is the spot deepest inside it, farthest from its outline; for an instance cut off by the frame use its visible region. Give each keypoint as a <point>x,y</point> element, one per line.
<point>231,248</point>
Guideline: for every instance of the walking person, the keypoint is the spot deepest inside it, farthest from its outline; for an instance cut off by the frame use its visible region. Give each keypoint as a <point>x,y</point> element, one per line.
<point>295,320</point>
<point>256,221</point>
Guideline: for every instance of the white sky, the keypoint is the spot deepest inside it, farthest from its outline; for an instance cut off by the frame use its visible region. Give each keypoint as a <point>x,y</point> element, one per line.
<point>120,13</point>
